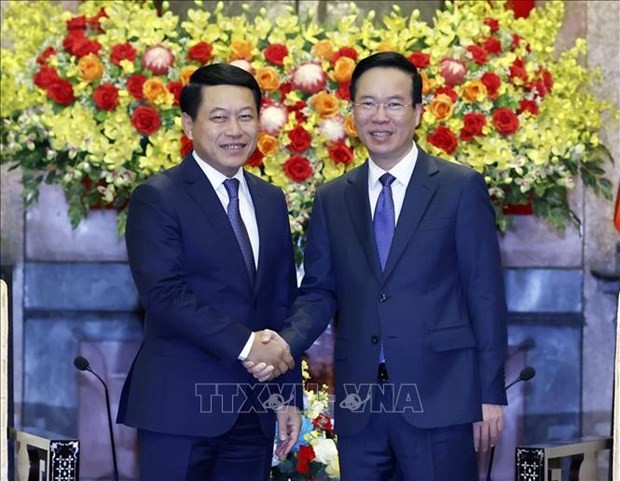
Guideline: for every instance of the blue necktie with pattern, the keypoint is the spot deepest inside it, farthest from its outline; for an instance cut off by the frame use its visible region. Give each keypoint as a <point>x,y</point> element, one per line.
<point>383,224</point>
<point>241,233</point>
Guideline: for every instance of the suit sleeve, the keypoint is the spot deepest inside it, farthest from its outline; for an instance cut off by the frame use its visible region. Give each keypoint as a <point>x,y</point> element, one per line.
<point>316,303</point>
<point>480,269</point>
<point>155,248</point>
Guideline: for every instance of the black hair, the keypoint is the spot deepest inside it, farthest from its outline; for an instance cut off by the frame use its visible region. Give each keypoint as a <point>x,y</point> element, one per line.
<point>388,60</point>
<point>215,74</point>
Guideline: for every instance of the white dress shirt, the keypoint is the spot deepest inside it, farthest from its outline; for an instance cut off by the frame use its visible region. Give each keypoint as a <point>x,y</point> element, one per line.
<point>248,215</point>
<point>401,171</point>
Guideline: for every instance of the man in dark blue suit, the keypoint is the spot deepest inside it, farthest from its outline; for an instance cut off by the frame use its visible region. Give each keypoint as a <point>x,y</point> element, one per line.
<point>211,254</point>
<point>403,251</point>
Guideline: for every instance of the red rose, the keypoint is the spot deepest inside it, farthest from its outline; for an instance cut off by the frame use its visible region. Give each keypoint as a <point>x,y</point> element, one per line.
<point>186,145</point>
<point>344,91</point>
<point>201,52</point>
<point>473,122</point>
<point>275,53</point>
<point>492,23</point>
<point>43,56</point>
<point>146,120</point>
<point>70,40</point>
<point>134,84</point>
<point>300,140</point>
<point>517,70</point>
<point>45,77</point>
<point>95,22</point>
<point>492,45</point>
<point>84,46</point>
<point>255,160</point>
<point>340,153</point>
<point>285,88</point>
<point>61,91</point>
<point>492,82</point>
<point>547,79</point>
<point>516,41</point>
<point>505,121</point>
<point>444,139</point>
<point>106,97</point>
<point>449,91</point>
<point>452,70</point>
<point>175,88</point>
<point>322,422</point>
<point>123,51</point>
<point>77,23</point>
<point>419,59</point>
<point>304,456</point>
<point>345,52</point>
<point>478,54</point>
<point>158,59</point>
<point>297,168</point>
<point>528,105</point>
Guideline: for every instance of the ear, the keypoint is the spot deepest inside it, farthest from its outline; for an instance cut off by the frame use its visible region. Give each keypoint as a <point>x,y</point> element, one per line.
<point>188,123</point>
<point>417,114</point>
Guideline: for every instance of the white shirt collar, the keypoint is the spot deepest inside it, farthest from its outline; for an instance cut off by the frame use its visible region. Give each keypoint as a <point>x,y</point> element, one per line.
<point>402,171</point>
<point>216,177</point>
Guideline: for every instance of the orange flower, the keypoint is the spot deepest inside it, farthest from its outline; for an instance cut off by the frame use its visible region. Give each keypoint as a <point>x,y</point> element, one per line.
<point>441,107</point>
<point>428,84</point>
<point>349,126</point>
<point>186,72</point>
<point>324,49</point>
<point>267,144</point>
<point>90,67</point>
<point>343,68</point>
<point>241,49</point>
<point>325,104</point>
<point>154,89</point>
<point>474,91</point>
<point>267,78</point>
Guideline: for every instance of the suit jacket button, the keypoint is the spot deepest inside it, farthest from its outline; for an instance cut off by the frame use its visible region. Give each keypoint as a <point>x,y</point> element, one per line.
<point>374,339</point>
<point>382,298</point>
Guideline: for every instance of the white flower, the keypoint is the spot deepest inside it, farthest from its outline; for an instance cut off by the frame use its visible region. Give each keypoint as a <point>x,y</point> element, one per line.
<point>309,78</point>
<point>158,59</point>
<point>272,118</point>
<point>333,128</point>
<point>325,450</point>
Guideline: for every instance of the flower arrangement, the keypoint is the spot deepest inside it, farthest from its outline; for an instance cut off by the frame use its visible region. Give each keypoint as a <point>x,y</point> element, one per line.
<point>90,100</point>
<point>315,455</point>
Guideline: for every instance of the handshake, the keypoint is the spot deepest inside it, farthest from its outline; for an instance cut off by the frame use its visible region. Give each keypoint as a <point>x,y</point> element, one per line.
<point>269,357</point>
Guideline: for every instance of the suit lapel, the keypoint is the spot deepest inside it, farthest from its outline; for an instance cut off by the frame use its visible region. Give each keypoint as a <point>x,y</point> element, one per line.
<point>264,222</point>
<point>200,189</point>
<point>419,193</point>
<point>356,197</point>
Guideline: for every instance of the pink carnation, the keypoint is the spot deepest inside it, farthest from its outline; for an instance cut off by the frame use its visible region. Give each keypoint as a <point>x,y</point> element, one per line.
<point>272,118</point>
<point>158,59</point>
<point>309,78</point>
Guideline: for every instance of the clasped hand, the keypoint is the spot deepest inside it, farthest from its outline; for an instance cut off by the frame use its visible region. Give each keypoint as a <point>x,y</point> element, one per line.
<point>269,356</point>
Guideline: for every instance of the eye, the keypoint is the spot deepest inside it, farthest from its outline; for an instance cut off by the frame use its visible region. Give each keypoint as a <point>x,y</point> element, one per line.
<point>246,117</point>
<point>394,106</point>
<point>368,104</point>
<point>218,118</point>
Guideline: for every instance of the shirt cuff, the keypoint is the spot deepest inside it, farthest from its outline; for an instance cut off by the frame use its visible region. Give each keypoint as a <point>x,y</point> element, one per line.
<point>245,352</point>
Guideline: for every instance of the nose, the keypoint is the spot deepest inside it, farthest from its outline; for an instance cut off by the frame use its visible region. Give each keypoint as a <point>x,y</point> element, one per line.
<point>380,114</point>
<point>234,127</point>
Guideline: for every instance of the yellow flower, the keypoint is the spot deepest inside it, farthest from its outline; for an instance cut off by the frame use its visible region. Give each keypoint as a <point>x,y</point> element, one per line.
<point>267,78</point>
<point>90,67</point>
<point>441,107</point>
<point>343,69</point>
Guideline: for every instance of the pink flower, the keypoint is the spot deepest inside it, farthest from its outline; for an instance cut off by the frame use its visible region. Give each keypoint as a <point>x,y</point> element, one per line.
<point>452,70</point>
<point>309,78</point>
<point>272,118</point>
<point>333,128</point>
<point>158,59</point>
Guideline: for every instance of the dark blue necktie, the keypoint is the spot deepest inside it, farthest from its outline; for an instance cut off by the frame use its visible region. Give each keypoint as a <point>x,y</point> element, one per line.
<point>241,233</point>
<point>384,223</point>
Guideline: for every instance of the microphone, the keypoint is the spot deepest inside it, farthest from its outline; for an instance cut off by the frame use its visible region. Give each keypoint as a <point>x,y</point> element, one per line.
<point>83,365</point>
<point>525,375</point>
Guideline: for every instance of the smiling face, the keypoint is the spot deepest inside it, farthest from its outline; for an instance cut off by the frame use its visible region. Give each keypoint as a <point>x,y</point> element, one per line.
<point>388,136</point>
<point>225,129</point>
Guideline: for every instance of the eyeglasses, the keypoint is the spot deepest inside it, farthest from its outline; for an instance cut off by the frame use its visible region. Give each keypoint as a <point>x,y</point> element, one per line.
<point>370,106</point>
